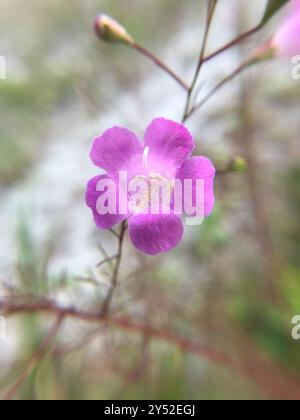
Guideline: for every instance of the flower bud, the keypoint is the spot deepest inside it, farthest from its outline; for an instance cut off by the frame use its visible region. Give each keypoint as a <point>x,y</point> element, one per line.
<point>110,30</point>
<point>239,164</point>
<point>266,51</point>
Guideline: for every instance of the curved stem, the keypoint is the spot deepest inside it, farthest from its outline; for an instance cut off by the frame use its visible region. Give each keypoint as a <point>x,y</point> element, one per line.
<point>142,50</point>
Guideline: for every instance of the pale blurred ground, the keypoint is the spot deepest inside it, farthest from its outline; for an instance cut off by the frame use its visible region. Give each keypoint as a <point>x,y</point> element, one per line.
<point>63,88</point>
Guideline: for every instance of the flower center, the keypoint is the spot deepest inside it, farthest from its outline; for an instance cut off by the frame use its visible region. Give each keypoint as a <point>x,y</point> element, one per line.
<point>149,193</point>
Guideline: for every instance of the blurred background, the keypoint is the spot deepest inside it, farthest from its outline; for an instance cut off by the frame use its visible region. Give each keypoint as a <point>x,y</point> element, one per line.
<point>233,285</point>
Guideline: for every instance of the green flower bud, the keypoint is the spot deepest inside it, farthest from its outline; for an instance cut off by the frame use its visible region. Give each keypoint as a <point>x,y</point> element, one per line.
<point>239,164</point>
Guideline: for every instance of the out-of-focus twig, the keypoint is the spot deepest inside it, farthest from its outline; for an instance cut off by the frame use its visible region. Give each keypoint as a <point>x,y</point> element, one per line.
<point>271,268</point>
<point>278,387</point>
<point>262,226</point>
<point>35,359</point>
<point>11,308</point>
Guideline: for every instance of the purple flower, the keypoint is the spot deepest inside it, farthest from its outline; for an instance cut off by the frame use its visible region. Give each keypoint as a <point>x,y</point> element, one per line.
<point>164,155</point>
<point>286,41</point>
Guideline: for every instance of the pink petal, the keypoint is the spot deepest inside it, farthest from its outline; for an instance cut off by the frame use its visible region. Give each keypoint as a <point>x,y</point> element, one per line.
<point>155,234</point>
<point>116,149</point>
<point>105,221</point>
<point>296,5</point>
<point>287,39</point>
<point>199,168</point>
<point>169,145</point>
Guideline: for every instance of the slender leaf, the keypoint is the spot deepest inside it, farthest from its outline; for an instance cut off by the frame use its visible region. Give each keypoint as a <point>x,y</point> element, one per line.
<point>273,7</point>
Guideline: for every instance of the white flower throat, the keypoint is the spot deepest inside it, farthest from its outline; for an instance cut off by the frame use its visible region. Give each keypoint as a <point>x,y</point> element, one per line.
<point>153,190</point>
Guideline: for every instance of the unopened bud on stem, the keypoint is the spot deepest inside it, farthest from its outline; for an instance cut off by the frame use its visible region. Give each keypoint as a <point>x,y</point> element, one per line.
<point>109,30</point>
<point>239,164</point>
<point>286,40</point>
<point>265,52</point>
